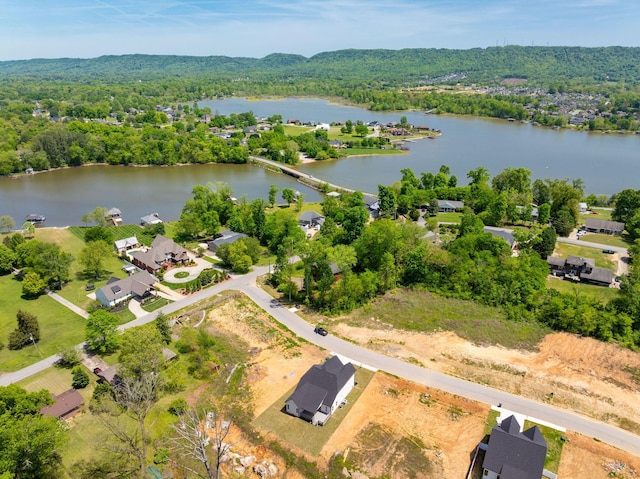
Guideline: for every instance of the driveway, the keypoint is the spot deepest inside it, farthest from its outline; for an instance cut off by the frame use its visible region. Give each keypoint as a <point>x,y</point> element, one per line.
<point>193,271</point>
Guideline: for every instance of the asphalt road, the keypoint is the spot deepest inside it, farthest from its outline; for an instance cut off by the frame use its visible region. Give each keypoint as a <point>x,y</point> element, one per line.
<point>567,419</point>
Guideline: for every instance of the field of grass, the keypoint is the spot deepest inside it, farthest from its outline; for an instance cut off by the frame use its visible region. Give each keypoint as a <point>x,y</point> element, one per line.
<point>119,232</point>
<point>602,260</point>
<point>417,310</point>
<point>59,327</point>
<point>492,420</point>
<point>302,434</point>
<point>606,240</point>
<point>600,293</point>
<point>554,445</point>
<point>449,217</point>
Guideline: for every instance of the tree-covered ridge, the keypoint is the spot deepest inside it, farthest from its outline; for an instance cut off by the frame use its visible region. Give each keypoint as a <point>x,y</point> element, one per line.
<point>415,66</point>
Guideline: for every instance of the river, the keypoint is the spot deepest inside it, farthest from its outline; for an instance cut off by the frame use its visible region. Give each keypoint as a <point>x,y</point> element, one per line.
<point>606,163</point>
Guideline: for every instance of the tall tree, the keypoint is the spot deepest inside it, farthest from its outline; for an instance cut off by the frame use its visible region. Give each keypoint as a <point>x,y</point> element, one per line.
<point>101,331</point>
<point>273,191</point>
<point>93,256</point>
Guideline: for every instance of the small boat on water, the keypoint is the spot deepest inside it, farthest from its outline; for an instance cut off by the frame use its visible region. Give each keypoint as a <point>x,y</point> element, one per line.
<point>35,218</point>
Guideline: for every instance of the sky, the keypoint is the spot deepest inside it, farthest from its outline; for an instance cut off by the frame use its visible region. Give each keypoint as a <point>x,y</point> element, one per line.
<point>256,28</point>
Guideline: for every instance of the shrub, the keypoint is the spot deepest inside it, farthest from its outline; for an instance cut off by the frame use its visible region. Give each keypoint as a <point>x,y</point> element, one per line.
<point>80,378</point>
<point>178,406</point>
<point>27,332</point>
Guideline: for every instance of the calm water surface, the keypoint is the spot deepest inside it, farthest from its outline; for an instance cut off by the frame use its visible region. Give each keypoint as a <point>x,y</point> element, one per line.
<point>606,163</point>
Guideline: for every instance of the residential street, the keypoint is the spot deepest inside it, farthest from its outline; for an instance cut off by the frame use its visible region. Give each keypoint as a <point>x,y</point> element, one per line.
<point>569,420</point>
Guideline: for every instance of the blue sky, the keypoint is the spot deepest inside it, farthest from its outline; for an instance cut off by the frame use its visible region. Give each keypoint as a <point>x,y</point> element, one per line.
<point>255,28</point>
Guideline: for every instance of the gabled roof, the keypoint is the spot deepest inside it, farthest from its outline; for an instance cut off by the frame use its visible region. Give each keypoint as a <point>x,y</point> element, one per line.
<point>513,454</point>
<point>225,237</point>
<point>113,212</point>
<point>161,247</point>
<point>370,201</point>
<point>600,275</point>
<point>580,261</point>
<point>138,284</point>
<point>65,403</point>
<point>500,233</point>
<point>592,223</point>
<point>450,204</point>
<point>130,242</point>
<point>310,217</point>
<point>556,261</point>
<point>150,219</point>
<point>321,384</point>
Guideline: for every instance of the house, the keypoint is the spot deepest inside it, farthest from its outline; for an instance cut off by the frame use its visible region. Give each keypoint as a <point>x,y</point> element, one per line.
<point>512,454</point>
<point>604,226</point>
<point>372,204</point>
<point>580,269</point>
<point>168,355</point>
<point>150,219</point>
<point>109,375</point>
<point>502,233</point>
<point>225,237</point>
<point>534,212</point>
<point>449,206</point>
<point>64,405</point>
<point>163,253</point>
<point>126,244</point>
<point>321,390</point>
<point>337,144</point>
<point>249,130</point>
<point>114,215</point>
<point>118,290</point>
<point>310,219</point>
<point>583,207</point>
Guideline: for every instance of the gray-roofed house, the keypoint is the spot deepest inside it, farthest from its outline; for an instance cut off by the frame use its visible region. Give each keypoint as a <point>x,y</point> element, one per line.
<point>64,405</point>
<point>150,219</point>
<point>322,389</point>
<point>225,237</point>
<point>110,375</point>
<point>579,268</point>
<point>310,219</point>
<point>126,244</point>
<point>118,290</point>
<point>163,253</point>
<point>604,226</point>
<point>512,454</point>
<point>449,206</point>
<point>372,204</point>
<point>501,233</point>
<point>114,215</point>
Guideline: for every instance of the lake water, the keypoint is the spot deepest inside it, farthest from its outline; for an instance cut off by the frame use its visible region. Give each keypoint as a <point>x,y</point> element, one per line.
<point>606,163</point>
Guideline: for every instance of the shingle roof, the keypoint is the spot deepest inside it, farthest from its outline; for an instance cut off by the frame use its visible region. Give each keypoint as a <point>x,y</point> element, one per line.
<point>138,283</point>
<point>226,236</point>
<point>505,235</point>
<point>556,261</point>
<point>161,247</point>
<point>600,275</point>
<point>580,261</point>
<point>450,204</point>
<point>321,384</point>
<point>65,403</point>
<point>515,455</point>
<point>309,217</point>
<point>132,241</point>
<point>592,223</point>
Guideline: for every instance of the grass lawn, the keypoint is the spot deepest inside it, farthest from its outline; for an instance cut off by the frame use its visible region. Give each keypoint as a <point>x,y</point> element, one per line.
<point>602,260</point>
<point>417,310</point>
<point>389,150</point>
<point>59,327</point>
<point>302,434</point>
<point>449,217</point>
<point>600,293</point>
<point>154,303</point>
<point>554,445</point>
<point>606,240</point>
<point>600,214</point>
<point>492,420</point>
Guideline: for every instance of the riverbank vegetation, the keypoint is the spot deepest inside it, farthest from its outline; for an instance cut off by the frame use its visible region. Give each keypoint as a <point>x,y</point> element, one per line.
<point>73,119</point>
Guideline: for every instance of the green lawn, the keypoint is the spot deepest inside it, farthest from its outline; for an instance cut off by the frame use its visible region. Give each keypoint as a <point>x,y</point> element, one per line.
<point>600,293</point>
<point>606,240</point>
<point>302,434</point>
<point>59,327</point>
<point>154,303</point>
<point>418,310</point>
<point>601,259</point>
<point>449,217</point>
<point>554,445</point>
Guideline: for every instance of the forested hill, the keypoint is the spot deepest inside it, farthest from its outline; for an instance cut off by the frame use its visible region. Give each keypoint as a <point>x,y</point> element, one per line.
<point>413,66</point>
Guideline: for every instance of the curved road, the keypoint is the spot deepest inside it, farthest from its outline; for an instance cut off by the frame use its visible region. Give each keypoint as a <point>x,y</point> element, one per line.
<point>570,420</point>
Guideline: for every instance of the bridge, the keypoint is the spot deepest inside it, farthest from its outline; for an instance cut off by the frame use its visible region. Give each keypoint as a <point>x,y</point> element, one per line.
<point>304,178</point>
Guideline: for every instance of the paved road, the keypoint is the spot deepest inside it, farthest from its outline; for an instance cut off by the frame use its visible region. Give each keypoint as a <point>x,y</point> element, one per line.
<point>572,421</point>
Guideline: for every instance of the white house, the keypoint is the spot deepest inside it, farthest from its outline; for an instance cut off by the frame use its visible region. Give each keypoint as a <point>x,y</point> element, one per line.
<point>321,390</point>
<point>119,290</point>
<point>126,244</point>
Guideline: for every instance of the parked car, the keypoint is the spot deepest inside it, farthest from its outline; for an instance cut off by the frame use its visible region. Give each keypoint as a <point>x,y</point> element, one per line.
<point>608,251</point>
<point>320,331</point>
<point>97,370</point>
<point>90,287</point>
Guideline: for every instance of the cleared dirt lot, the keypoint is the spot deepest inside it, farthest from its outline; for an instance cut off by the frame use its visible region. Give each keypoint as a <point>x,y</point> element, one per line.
<point>405,430</point>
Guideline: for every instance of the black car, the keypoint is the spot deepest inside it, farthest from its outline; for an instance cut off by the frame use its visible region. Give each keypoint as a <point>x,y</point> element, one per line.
<point>608,251</point>
<point>320,331</point>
